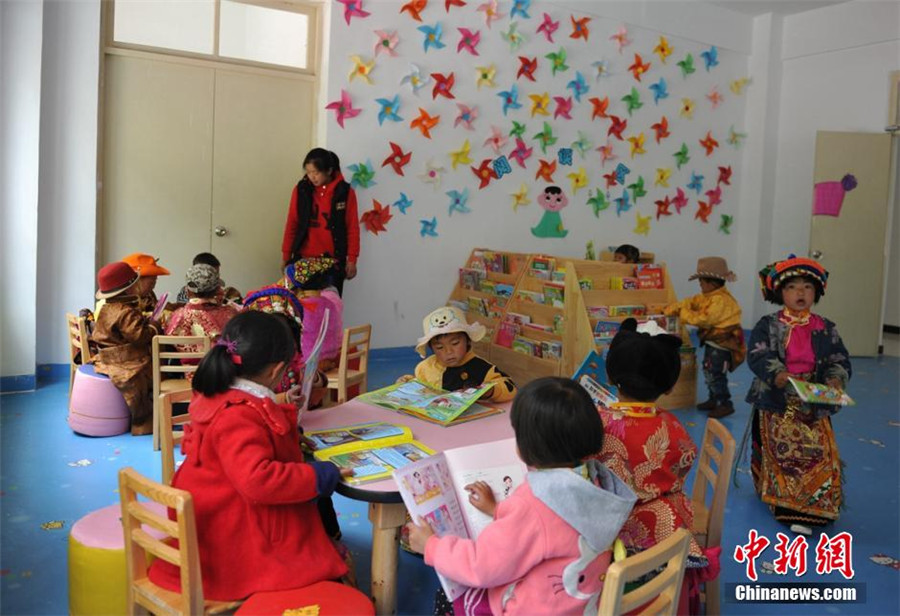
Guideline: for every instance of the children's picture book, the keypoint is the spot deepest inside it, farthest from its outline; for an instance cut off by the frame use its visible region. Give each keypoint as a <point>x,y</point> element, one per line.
<point>434,489</point>
<point>591,375</point>
<point>312,364</point>
<point>817,393</point>
<point>470,278</point>
<point>503,290</point>
<point>160,305</point>
<point>418,399</point>
<point>372,450</point>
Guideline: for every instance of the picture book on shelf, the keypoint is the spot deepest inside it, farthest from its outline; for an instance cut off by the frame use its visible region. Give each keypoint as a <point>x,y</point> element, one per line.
<point>434,489</point>
<point>435,405</point>
<point>817,393</point>
<point>372,450</point>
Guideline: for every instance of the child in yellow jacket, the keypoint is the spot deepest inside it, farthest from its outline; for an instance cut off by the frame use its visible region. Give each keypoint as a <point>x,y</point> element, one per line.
<point>453,364</point>
<point>717,316</point>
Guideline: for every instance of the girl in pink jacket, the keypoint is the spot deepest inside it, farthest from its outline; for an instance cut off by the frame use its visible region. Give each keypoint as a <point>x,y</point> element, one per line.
<point>549,546</point>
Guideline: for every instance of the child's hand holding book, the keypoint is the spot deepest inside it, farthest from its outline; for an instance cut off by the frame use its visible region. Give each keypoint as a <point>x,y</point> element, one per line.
<point>419,532</point>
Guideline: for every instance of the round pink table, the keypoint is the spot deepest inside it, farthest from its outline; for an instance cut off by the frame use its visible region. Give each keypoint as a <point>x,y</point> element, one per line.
<point>386,510</point>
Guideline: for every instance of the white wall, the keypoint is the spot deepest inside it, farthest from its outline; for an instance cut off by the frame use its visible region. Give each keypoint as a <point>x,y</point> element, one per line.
<point>836,65</point>
<point>20,102</point>
<point>68,176</point>
<point>403,276</point>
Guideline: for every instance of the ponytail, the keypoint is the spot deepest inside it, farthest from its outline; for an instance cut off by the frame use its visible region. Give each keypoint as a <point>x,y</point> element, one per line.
<point>250,342</point>
<point>324,160</point>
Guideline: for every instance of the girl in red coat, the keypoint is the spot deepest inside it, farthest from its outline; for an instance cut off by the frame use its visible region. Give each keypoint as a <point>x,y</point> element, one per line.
<point>258,527</point>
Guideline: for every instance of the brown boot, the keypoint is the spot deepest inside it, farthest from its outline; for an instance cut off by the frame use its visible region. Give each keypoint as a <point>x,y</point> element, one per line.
<point>707,406</point>
<point>722,410</point>
<point>142,427</point>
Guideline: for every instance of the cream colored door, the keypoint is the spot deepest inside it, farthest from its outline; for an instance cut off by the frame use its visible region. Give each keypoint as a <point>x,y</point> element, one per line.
<point>189,149</point>
<point>852,245</point>
<point>263,129</point>
<point>157,162</point>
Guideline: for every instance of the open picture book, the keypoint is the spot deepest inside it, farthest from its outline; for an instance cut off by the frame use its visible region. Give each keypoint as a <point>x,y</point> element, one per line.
<point>434,489</point>
<point>817,393</point>
<point>434,405</point>
<point>373,450</point>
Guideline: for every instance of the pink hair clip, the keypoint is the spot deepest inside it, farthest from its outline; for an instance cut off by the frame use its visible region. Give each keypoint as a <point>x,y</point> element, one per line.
<point>231,347</point>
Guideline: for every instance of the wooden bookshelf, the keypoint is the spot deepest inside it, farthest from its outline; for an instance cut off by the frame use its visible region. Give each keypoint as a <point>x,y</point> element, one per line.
<point>579,339</point>
<point>577,328</point>
<point>516,263</point>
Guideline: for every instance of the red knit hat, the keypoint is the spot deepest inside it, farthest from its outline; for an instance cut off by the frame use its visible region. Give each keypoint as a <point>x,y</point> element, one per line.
<point>115,278</point>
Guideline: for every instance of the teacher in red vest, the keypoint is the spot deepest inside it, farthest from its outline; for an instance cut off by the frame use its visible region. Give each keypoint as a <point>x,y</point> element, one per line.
<point>323,220</point>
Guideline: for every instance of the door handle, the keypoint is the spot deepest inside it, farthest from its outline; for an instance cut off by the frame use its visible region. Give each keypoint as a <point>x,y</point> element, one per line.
<point>220,231</point>
<point>815,254</point>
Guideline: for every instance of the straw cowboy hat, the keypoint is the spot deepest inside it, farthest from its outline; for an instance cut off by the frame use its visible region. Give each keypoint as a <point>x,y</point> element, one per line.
<point>713,267</point>
<point>115,278</point>
<point>448,320</point>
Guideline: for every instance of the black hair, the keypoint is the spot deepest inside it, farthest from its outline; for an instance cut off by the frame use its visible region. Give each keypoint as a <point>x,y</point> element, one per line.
<point>323,160</point>
<point>631,253</point>
<point>207,258</point>
<point>556,423</point>
<point>553,190</point>
<point>778,298</point>
<point>260,340</point>
<point>642,366</point>
<point>439,336</point>
<point>717,283</point>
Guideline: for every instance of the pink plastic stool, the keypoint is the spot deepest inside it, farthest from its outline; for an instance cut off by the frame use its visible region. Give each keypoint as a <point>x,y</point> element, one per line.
<point>96,407</point>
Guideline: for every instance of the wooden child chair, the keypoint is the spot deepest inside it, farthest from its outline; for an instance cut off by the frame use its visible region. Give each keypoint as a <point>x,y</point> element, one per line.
<point>658,596</point>
<point>79,346</point>
<point>139,543</point>
<point>170,438</point>
<point>717,448</point>
<point>354,347</point>
<point>170,373</point>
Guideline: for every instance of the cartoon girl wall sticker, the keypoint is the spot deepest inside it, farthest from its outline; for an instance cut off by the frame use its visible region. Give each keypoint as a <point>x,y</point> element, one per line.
<point>552,200</point>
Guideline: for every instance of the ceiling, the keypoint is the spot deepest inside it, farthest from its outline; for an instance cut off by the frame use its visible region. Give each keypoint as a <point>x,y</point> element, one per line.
<point>779,7</point>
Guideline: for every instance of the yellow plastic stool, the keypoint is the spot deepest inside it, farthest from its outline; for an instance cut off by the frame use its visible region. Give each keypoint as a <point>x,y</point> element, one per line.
<point>97,570</point>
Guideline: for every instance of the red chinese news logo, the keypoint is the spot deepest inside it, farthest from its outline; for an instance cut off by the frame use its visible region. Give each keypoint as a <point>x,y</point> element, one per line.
<point>832,554</point>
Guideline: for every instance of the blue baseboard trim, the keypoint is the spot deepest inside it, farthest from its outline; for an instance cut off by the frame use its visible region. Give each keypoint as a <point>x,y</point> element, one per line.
<point>17,384</point>
<point>393,354</point>
<point>52,372</point>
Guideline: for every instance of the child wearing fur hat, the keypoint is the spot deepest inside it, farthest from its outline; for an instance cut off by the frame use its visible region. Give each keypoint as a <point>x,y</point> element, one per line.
<point>453,364</point>
<point>123,335</point>
<point>803,490</point>
<point>648,447</point>
<point>717,316</point>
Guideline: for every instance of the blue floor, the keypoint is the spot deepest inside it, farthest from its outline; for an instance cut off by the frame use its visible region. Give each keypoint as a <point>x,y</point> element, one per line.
<point>51,477</point>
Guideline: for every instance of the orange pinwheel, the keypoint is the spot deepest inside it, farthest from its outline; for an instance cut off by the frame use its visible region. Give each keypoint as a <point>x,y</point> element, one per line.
<point>703,211</point>
<point>709,143</point>
<point>580,28</point>
<point>425,122</point>
<point>639,67</point>
<point>414,8</point>
<point>546,170</point>
<point>600,107</point>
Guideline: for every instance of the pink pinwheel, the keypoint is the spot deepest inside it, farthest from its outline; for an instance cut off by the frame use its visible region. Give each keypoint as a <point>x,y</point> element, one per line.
<point>548,27</point>
<point>386,43</point>
<point>468,40</point>
<point>621,38</point>
<point>680,201</point>
<point>497,140</point>
<point>353,8</point>
<point>521,153</point>
<point>343,108</point>
<point>490,12</point>
<point>466,116</point>
<point>606,153</point>
<point>714,196</point>
<point>563,107</point>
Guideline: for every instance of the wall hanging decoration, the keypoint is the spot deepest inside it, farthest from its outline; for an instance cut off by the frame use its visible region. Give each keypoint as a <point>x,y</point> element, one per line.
<point>709,143</point>
<point>725,224</point>
<point>546,170</point>
<point>397,159</point>
<point>621,38</point>
<point>724,176</point>
<point>663,49</point>
<point>714,196</point>
<point>527,66</point>
<point>461,156</point>
<point>520,9</point>
<point>403,203</point>
<point>520,197</point>
<point>563,107</point>
<point>353,8</point>
<point>598,202</point>
<point>375,219</point>
<point>638,67</point>
<point>637,189</point>
<point>496,140</point>
<point>547,27</point>
<point>616,126</point>
<point>660,90</point>
<point>735,138</point>
<point>606,153</point>
<point>468,41</point>
<point>443,85</point>
<point>662,177</point>
<point>432,174</point>
<point>429,227</point>
<point>661,129</point>
<point>623,202</point>
<point>521,153</point>
<point>390,108</point>
<point>710,57</point>
<point>466,116</point>
<point>642,224</point>
<point>432,36</point>
<point>703,211</point>
<point>599,107</point>
<point>662,207</point>
<point>485,173</point>
<point>738,85</point>
<point>459,201</point>
<point>425,123</point>
<point>686,65</point>
<point>579,180</point>
<point>552,201</point>
<point>363,175</point>
<point>386,42</point>
<point>513,37</point>
<point>580,28</point>
<point>696,183</point>
<point>510,99</point>
<point>687,108</point>
<point>714,97</point>
<point>491,12</point>
<point>414,8</point>
<point>637,144</point>
<point>485,76</point>
<point>632,101</point>
<point>415,78</point>
<point>361,68</point>
<point>682,157</point>
<point>343,108</point>
<point>680,201</point>
<point>828,197</point>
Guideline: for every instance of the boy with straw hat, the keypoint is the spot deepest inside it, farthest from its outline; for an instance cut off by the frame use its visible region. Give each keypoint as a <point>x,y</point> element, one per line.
<point>717,316</point>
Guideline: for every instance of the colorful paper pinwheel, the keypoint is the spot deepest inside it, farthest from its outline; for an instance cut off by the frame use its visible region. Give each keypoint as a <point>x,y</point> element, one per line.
<point>545,137</point>
<point>617,125</point>
<point>546,170</point>
<point>599,107</point>
<point>520,8</point>
<point>715,97</point>
<point>468,41</point>
<point>363,175</point>
<point>386,43</point>
<point>680,201</point>
<point>484,172</point>
<point>681,156</point>
<point>724,176</point>
<point>660,90</point>
<point>432,175</point>
<point>662,207</point>
<point>518,129</point>
<point>637,144</point>
<point>521,153</point>
<point>714,196</point>
<point>602,69</point>
<point>510,99</point>
<point>661,129</point>
<point>558,61</point>
<point>696,183</point>
<point>638,67</point>
<point>687,108</point>
<point>520,197</point>
<point>662,177</point>
<point>737,86</point>
<point>414,8</point>
<point>375,219</point>
<point>621,38</point>
<point>513,37</point>
<point>432,37</point>
<point>548,27</point>
<point>429,227</point>
<point>466,116</point>
<point>606,153</point>
<point>709,143</point>
<point>491,12</point>
<point>663,49</point>
<point>485,76</point>
<point>415,79</point>
<point>710,57</point>
<point>637,189</point>
<point>582,144</point>
<point>563,107</point>
<point>687,65</point>
<point>597,201</point>
<point>353,8</point>
<point>703,211</point>
<point>527,66</point>
<point>632,100</point>
<point>578,86</point>
<point>397,158</point>
<point>623,203</point>
<point>461,156</point>
<point>343,108</point>
<point>390,108</point>
<point>725,225</point>
<point>580,28</point>
<point>579,179</point>
<point>458,201</point>
<point>540,104</point>
<point>642,224</point>
<point>425,123</point>
<point>496,141</point>
<point>403,203</point>
<point>735,138</point>
<point>443,85</point>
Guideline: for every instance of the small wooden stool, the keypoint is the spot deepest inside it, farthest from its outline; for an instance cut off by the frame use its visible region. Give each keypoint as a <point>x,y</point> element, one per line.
<point>96,407</point>
<point>97,569</point>
<point>333,599</point>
